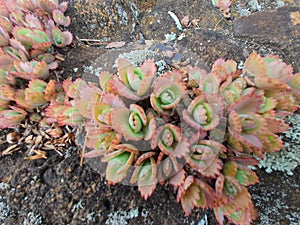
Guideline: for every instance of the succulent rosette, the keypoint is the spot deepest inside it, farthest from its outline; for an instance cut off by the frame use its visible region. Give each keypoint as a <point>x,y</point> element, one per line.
<point>232,90</point>
<point>34,38</point>
<point>204,156</point>
<point>168,92</point>
<point>134,82</point>
<point>100,140</point>
<point>104,108</point>
<point>234,201</point>
<point>31,70</point>
<point>170,140</point>
<point>206,82</point>
<point>133,123</point>
<point>204,112</point>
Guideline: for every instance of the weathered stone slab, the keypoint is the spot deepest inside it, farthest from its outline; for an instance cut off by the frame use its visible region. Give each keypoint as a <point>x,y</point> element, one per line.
<point>279,29</point>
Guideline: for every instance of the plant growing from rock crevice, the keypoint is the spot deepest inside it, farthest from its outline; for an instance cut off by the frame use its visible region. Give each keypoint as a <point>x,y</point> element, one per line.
<point>172,131</point>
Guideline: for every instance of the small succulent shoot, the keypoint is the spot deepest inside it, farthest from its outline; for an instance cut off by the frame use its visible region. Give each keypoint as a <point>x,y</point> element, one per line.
<point>168,92</point>
<point>100,141</point>
<point>31,70</point>
<point>134,82</point>
<point>145,174</point>
<point>204,157</point>
<point>61,38</point>
<point>267,72</point>
<point>12,117</point>
<point>170,141</point>
<point>232,90</point>
<point>60,18</point>
<point>195,193</point>
<point>33,22</point>
<point>31,37</point>
<point>206,82</point>
<point>204,112</point>
<point>35,93</point>
<point>230,186</point>
<point>119,161</point>
<point>224,69</point>
<point>50,5</point>
<point>133,123</point>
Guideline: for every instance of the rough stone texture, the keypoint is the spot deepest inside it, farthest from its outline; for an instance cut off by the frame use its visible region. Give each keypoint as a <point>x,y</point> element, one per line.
<point>279,29</point>
<point>106,20</point>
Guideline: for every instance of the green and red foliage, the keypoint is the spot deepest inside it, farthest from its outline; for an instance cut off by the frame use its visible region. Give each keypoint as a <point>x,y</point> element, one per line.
<point>198,131</point>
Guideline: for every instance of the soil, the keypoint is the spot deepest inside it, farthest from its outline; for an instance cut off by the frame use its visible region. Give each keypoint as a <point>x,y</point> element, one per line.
<point>57,190</point>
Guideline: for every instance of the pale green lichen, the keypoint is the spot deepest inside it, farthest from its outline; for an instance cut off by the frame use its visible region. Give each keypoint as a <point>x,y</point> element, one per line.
<point>120,217</point>
<point>287,159</point>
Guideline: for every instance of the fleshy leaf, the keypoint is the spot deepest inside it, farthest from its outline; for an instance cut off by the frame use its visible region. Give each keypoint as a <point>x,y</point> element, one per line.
<point>145,174</point>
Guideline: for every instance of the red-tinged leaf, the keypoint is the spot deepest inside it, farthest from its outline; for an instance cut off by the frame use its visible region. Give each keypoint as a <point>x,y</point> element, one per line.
<point>94,153</point>
<point>219,185</point>
<point>272,142</point>
<point>7,92</point>
<point>254,66</point>
<point>70,116</point>
<point>104,77</point>
<point>246,176</point>
<point>34,94</point>
<point>11,117</point>
<point>188,194</point>
<point>230,168</point>
<point>276,125</point>
<point>123,90</point>
<point>118,165</point>
<point>60,18</point>
<point>178,178</point>
<point>248,103</point>
<point>19,98</point>
<point>123,66</point>
<point>50,90</point>
<point>48,5</point>
<point>276,69</point>
<point>43,46</point>
<point>234,121</point>
<point>33,22</point>
<point>117,44</point>
<point>145,174</point>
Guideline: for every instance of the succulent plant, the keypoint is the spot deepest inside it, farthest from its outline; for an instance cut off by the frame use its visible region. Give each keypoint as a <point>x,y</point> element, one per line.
<point>168,91</point>
<point>29,30</point>
<point>148,143</point>
<point>134,82</point>
<point>151,129</point>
